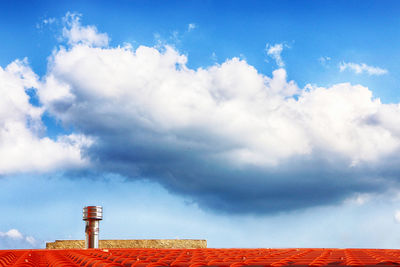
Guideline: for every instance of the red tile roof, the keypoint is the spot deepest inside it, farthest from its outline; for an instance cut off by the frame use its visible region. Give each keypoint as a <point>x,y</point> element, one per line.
<point>200,257</point>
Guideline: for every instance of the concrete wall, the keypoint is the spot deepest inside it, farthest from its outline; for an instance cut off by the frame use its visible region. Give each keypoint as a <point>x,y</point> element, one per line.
<point>139,243</point>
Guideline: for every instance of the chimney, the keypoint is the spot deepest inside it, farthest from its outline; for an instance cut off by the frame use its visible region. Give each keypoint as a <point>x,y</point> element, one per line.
<point>92,216</point>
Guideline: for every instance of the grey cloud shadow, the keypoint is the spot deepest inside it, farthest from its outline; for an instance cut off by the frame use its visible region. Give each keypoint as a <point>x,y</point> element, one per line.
<point>296,183</point>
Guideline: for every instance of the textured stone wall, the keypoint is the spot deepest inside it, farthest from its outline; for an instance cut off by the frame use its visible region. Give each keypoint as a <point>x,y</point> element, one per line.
<point>138,243</point>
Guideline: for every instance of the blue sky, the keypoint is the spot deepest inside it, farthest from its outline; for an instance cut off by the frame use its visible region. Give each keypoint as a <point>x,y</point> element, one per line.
<point>246,123</point>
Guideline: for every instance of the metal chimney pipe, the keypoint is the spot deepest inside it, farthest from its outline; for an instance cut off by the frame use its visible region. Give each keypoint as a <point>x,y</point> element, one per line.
<point>92,216</point>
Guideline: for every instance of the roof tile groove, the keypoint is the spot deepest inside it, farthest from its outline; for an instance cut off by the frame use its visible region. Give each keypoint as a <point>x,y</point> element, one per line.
<point>199,257</point>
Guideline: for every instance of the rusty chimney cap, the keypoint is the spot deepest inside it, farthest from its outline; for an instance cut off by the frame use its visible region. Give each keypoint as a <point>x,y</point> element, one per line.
<point>92,213</point>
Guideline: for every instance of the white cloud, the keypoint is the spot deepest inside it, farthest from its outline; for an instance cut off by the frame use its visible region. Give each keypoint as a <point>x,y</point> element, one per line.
<point>397,216</point>
<point>191,27</point>
<point>362,68</point>
<point>358,199</point>
<point>75,33</point>
<point>22,147</point>
<point>324,60</point>
<point>175,37</point>
<point>275,51</point>
<point>255,116</point>
<point>49,21</point>
<point>45,22</point>
<point>12,233</point>
<point>150,115</point>
<point>15,239</point>
<point>31,240</point>
<point>162,98</point>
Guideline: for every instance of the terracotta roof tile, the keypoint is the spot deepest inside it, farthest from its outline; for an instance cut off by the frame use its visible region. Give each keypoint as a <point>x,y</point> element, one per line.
<point>199,257</point>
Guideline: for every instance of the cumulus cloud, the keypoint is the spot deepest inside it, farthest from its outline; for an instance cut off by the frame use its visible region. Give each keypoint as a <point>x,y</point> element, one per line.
<point>362,68</point>
<point>230,137</point>
<point>22,144</point>
<point>75,33</point>
<point>13,233</point>
<point>13,239</point>
<point>275,51</point>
